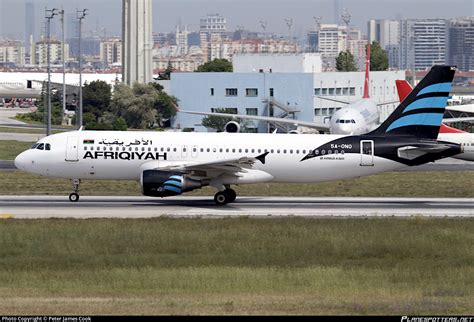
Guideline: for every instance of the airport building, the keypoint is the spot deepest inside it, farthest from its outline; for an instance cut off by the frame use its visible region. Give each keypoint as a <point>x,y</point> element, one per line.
<point>277,91</point>
<point>461,43</point>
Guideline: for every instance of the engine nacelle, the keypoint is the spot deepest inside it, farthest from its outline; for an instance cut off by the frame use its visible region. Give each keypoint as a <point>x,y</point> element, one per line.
<point>157,183</point>
<point>232,127</point>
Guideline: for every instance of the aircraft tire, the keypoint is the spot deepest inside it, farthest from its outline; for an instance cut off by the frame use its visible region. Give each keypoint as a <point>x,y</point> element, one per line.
<point>221,198</point>
<point>73,197</point>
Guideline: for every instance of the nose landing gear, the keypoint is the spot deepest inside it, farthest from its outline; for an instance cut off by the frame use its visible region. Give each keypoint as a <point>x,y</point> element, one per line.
<point>74,196</point>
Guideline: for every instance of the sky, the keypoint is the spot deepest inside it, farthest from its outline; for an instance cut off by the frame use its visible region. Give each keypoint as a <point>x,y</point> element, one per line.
<point>247,13</point>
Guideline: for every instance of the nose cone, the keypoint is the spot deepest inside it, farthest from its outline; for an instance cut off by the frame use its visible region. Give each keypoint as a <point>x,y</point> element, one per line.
<point>20,161</point>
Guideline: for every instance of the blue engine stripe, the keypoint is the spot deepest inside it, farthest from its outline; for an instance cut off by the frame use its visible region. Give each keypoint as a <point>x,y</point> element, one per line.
<point>427,102</point>
<point>172,188</point>
<point>431,119</point>
<point>173,183</point>
<point>440,87</point>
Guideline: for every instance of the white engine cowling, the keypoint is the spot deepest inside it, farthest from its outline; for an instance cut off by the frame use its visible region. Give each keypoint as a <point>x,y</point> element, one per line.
<point>232,127</point>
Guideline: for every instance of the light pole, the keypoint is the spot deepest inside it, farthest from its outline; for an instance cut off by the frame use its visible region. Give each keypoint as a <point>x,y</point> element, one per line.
<point>49,14</point>
<point>61,12</point>
<point>81,14</point>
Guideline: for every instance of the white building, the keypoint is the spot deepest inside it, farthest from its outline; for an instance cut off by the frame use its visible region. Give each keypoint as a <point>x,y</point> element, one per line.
<point>12,52</point>
<point>111,52</point>
<point>137,41</point>
<point>56,54</point>
<point>290,89</point>
<point>277,63</point>
<point>182,40</point>
<point>213,24</point>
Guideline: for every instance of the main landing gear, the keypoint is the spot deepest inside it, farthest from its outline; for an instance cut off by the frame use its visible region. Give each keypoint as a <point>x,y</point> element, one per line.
<point>225,196</point>
<point>74,196</point>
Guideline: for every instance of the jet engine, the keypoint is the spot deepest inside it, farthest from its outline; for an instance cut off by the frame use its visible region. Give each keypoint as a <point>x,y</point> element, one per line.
<point>157,183</point>
<point>232,127</point>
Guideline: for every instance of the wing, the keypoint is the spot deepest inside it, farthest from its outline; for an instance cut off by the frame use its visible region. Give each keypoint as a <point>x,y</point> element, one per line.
<point>227,165</point>
<point>318,126</point>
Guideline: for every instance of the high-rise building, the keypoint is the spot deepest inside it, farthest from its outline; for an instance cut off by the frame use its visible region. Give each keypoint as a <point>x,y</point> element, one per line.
<point>213,24</point>
<point>461,43</point>
<point>182,40</point>
<point>41,52</point>
<point>111,51</point>
<point>137,42</point>
<point>422,43</point>
<point>387,34</point>
<point>12,52</point>
<point>29,24</point>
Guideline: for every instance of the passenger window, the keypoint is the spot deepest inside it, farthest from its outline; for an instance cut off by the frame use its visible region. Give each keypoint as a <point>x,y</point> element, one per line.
<point>284,151</point>
<point>184,149</point>
<point>297,152</point>
<point>168,149</point>
<point>208,150</point>
<point>156,149</point>
<point>278,151</point>
<point>240,150</point>
<point>202,150</point>
<point>246,150</point>
<point>85,148</point>
<point>149,149</point>
<point>233,150</point>
<point>162,149</point>
<point>174,149</point>
<point>227,150</point>
<point>291,151</point>
<point>253,151</point>
<point>259,150</point>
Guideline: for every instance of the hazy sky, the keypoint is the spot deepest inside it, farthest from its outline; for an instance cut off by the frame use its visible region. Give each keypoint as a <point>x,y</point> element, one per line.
<point>168,13</point>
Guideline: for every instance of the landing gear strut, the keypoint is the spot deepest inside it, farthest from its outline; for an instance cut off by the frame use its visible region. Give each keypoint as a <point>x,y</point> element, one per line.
<point>74,196</point>
<point>224,197</point>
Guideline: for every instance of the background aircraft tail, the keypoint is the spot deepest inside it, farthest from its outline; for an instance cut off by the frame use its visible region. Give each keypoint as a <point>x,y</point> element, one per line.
<point>421,112</point>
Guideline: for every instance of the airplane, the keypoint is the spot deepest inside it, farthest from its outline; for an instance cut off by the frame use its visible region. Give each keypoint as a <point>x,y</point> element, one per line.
<point>357,117</point>
<point>446,133</point>
<point>171,163</point>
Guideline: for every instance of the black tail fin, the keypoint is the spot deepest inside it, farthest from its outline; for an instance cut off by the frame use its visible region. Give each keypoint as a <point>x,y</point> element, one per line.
<point>421,112</point>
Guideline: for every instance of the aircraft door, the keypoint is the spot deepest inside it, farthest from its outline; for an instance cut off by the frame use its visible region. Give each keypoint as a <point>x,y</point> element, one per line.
<point>366,153</point>
<point>72,148</point>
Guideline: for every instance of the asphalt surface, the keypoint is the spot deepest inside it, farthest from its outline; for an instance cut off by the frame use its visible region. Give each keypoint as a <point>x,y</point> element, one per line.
<point>33,207</point>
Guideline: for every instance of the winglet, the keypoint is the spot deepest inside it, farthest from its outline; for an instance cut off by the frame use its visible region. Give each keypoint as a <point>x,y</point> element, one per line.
<point>261,157</point>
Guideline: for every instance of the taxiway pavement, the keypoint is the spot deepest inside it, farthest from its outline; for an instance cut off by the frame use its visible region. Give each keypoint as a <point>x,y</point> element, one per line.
<point>34,207</point>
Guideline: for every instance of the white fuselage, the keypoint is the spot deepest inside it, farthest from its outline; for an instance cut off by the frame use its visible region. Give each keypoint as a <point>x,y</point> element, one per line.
<point>466,140</point>
<point>124,156</point>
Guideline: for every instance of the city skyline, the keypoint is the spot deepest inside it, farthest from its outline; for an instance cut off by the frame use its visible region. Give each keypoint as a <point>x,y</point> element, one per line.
<point>105,17</point>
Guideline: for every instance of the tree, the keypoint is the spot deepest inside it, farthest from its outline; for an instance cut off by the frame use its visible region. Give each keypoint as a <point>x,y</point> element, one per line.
<point>345,62</point>
<point>217,65</point>
<point>143,106</point>
<point>218,122</point>
<point>96,98</point>
<point>378,57</point>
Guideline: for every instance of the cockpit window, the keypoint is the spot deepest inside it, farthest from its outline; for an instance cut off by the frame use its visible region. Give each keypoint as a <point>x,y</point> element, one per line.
<point>352,121</point>
<point>34,146</point>
<point>47,146</point>
<point>40,146</point>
